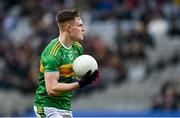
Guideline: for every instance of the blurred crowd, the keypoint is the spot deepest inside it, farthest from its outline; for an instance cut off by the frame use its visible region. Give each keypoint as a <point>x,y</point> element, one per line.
<point>168,98</point>
<point>27,26</point>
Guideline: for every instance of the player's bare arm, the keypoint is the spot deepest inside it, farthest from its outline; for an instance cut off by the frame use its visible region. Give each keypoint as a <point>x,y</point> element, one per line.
<point>54,88</point>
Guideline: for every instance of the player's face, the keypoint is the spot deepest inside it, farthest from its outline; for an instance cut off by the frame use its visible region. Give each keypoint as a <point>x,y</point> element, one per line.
<point>77,30</point>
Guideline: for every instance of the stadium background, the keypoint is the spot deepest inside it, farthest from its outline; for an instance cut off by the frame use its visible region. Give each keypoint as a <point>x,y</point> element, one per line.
<point>136,44</point>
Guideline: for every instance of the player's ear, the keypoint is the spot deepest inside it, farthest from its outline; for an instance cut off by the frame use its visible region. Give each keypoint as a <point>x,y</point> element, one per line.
<point>68,27</point>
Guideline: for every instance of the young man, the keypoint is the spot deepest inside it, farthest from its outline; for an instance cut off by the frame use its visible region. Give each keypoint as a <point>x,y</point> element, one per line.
<point>54,95</point>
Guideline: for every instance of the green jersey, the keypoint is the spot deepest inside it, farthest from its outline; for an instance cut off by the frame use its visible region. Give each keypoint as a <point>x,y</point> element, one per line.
<point>56,57</point>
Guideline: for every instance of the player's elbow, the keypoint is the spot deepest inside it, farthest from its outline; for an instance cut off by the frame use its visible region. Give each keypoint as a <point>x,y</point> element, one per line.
<point>52,92</point>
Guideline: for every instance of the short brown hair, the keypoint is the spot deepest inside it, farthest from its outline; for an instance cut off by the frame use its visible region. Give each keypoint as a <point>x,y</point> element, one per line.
<point>66,15</point>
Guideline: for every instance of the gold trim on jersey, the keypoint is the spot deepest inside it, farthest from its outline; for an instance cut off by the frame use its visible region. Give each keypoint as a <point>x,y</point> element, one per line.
<point>77,44</point>
<point>41,69</point>
<point>66,71</point>
<point>55,48</point>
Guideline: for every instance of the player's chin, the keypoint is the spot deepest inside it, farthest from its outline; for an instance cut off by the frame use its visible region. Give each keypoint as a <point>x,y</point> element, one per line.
<point>80,39</point>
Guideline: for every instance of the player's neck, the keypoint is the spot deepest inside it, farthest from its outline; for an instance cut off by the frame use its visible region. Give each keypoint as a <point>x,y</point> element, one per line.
<point>65,41</point>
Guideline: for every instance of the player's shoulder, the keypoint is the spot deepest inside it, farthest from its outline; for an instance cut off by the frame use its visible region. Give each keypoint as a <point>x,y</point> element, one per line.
<point>53,47</point>
<point>77,44</point>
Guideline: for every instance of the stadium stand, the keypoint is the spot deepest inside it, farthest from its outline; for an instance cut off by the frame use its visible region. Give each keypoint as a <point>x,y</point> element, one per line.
<point>135,42</point>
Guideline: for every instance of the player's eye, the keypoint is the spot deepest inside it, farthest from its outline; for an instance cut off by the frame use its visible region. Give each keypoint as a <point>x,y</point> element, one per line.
<point>80,25</point>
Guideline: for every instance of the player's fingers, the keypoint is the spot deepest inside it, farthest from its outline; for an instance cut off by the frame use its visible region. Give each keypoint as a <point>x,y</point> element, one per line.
<point>95,74</point>
<point>88,73</point>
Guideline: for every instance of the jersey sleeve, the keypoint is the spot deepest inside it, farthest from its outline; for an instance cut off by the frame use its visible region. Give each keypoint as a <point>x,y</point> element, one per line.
<point>50,63</point>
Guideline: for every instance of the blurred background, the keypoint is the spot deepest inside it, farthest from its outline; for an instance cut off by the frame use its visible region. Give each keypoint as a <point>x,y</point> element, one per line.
<point>136,44</point>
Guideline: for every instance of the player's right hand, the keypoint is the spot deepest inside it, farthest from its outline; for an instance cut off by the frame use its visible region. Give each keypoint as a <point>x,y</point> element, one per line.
<point>88,78</point>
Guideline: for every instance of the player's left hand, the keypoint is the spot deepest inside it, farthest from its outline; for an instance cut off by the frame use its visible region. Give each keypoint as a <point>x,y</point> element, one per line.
<point>88,78</point>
